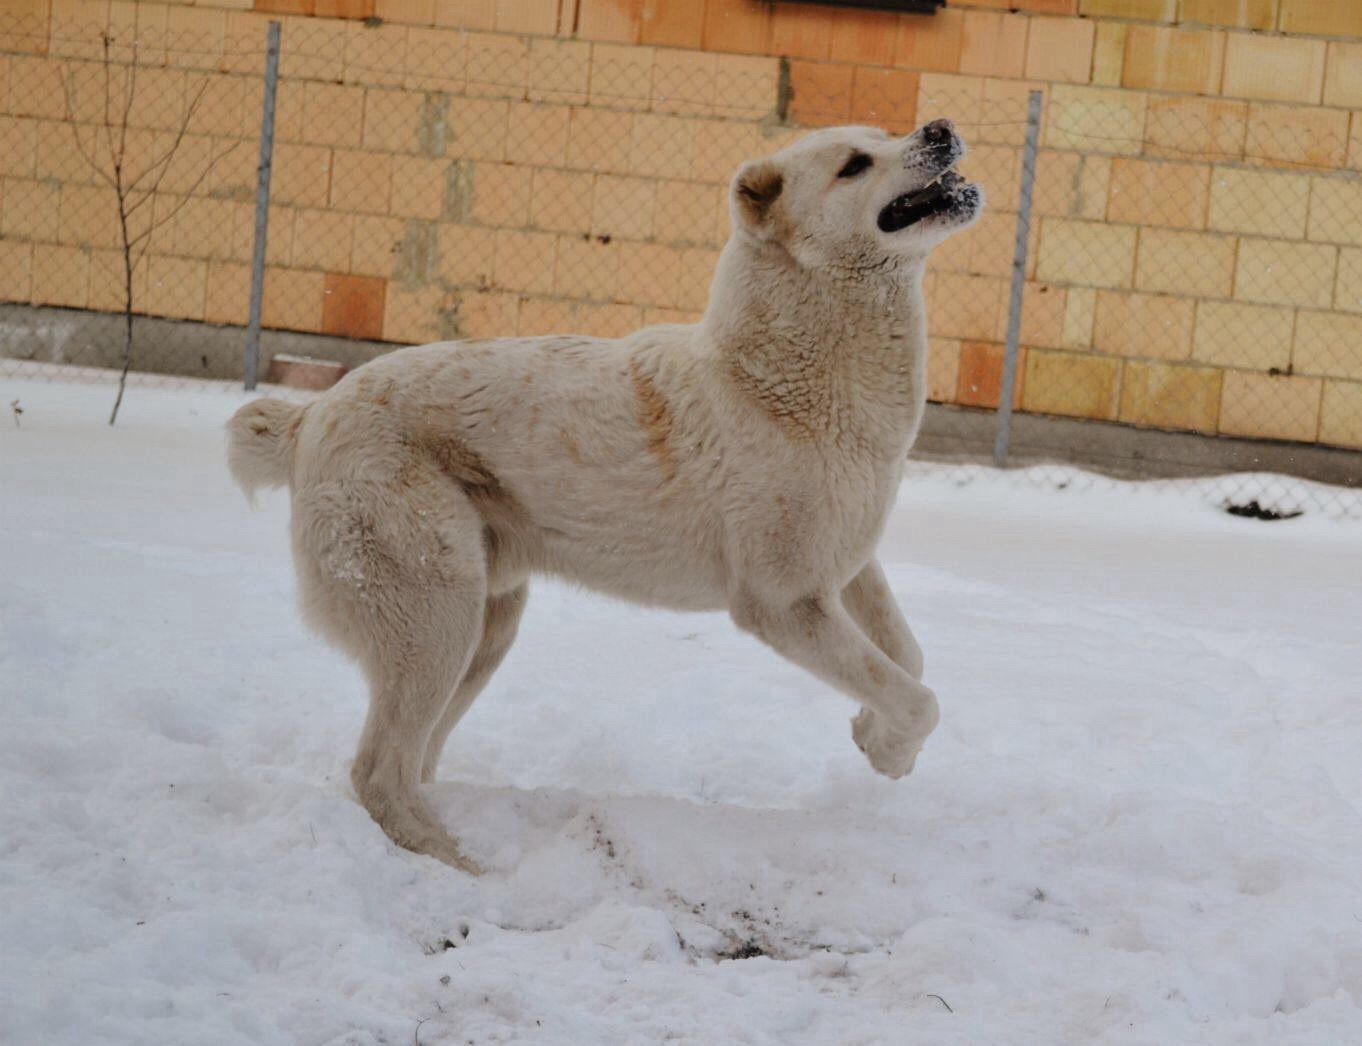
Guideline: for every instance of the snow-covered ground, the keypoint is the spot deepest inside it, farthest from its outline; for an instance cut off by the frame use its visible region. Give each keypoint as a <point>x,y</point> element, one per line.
<point>1138,821</point>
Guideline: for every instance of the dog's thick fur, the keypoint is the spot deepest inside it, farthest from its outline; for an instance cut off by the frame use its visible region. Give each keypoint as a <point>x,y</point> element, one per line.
<point>747,462</point>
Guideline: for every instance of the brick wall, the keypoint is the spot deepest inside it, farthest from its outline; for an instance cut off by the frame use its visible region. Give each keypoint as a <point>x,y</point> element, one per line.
<point>491,166</point>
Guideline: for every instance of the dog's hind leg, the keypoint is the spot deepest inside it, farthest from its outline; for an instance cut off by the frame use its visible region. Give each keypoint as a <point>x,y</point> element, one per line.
<point>501,618</point>
<point>397,577</point>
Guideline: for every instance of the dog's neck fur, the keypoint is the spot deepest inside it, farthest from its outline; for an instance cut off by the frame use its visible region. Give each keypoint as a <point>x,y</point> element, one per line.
<point>769,321</point>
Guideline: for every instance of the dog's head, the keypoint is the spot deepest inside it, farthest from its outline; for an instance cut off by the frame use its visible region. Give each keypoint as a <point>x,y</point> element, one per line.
<point>855,199</point>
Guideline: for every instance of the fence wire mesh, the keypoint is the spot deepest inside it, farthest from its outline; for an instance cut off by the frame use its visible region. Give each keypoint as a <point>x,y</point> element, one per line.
<point>1194,265</point>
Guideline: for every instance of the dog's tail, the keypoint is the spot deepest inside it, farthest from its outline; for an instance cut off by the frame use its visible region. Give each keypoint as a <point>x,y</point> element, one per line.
<point>260,439</point>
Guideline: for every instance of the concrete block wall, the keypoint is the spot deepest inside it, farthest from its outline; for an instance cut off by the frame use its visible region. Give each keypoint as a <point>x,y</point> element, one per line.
<point>480,167</point>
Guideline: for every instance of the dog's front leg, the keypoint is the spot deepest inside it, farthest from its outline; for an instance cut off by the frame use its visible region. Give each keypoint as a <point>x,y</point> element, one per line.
<point>872,606</point>
<point>817,633</point>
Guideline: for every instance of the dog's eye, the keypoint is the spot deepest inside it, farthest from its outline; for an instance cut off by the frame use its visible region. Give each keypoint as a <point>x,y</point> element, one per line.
<point>859,162</point>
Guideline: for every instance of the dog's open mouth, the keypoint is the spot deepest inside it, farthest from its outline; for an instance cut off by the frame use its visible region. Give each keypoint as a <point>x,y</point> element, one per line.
<point>947,192</point>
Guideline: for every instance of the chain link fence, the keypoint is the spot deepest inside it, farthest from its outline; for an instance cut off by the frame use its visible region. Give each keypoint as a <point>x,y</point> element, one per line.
<point>1191,268</point>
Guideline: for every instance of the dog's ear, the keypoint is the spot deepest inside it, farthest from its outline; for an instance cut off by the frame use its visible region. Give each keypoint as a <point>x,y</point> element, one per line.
<point>756,188</point>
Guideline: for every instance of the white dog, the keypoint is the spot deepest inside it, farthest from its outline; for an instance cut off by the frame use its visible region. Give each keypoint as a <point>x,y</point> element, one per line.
<point>746,462</point>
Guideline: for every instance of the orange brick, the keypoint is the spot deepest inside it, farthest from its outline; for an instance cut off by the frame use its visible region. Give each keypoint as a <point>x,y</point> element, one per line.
<point>1157,193</point>
<point>344,8</point>
<point>863,36</point>
<point>1336,210</point>
<point>413,315</point>
<point>746,86</point>
<point>1096,119</point>
<point>1152,326</point>
<point>943,369</point>
<point>1232,334</point>
<point>89,216</point>
<point>1328,344</point>
<point>662,145</point>
<point>375,245</point>
<point>478,128</point>
<point>524,261</point>
<point>820,93</point>
<point>1178,262</point>
<point>497,66</point>
<point>1196,128</point>
<point>561,200</point>
<point>993,44</point>
<point>1188,61</point>
<point>1238,14</point>
<point>353,305</point>
<point>30,210</point>
<point>1109,53</point>
<point>615,21</point>
<point>1277,272</point>
<point>742,26</point>
<point>1070,384</point>
<point>464,14</point>
<point>1139,10</point>
<point>16,272</point>
<point>966,306</point>
<point>501,194</point>
<point>228,294</point>
<point>930,43</point>
<point>408,12</point>
<point>697,273</point>
<point>685,211</point>
<point>61,275</point>
<point>1321,17</point>
<point>1296,68</point>
<point>1161,396</point>
<point>979,378</point>
<point>175,287</point>
<point>468,254</point>
<point>1072,185</point>
<point>621,77</point>
<point>649,273</point>
<point>1042,319</point>
<point>600,139</point>
<point>1261,203</point>
<point>392,120</point>
<point>538,134</point>
<point>1340,421</point>
<point>361,182</point>
<point>623,207</point>
<point>1086,253</point>
<point>301,174</point>
<point>1348,293</point>
<point>884,98</point>
<point>586,268</point>
<point>321,240</point>
<point>419,187</point>
<point>1343,75</point>
<point>800,30</point>
<point>559,71</point>
<point>683,81</point>
<point>1297,136</point>
<point>1266,406</point>
<point>375,53</point>
<point>527,16</point>
<point>437,60</point>
<point>332,114</point>
<point>668,23</point>
<point>1060,49</point>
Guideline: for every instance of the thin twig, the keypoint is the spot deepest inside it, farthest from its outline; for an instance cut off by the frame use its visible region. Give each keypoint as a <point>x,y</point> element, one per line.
<point>942,1001</point>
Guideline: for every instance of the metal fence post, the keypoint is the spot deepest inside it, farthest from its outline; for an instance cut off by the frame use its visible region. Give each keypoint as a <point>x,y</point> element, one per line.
<point>1014,305</point>
<point>262,204</point>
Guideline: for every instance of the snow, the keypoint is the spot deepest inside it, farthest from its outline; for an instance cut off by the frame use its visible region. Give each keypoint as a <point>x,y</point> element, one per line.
<point>1137,822</point>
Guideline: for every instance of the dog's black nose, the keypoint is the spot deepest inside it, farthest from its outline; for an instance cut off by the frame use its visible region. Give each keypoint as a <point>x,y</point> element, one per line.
<point>938,132</point>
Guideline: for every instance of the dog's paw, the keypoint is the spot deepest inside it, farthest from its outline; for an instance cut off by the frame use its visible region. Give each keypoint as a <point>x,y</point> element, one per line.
<point>890,752</point>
